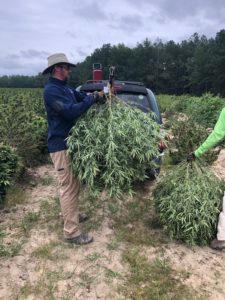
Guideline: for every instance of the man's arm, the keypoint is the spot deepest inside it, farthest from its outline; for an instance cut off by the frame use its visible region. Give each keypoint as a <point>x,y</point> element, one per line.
<point>80,96</point>
<point>214,138</point>
<point>68,109</point>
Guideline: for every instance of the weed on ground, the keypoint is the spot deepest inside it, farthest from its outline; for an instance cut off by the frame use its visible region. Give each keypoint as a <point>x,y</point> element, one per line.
<point>133,221</point>
<point>154,280</point>
<point>53,250</point>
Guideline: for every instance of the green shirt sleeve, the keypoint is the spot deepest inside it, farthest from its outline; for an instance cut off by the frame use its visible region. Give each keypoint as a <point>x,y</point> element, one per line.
<point>217,135</point>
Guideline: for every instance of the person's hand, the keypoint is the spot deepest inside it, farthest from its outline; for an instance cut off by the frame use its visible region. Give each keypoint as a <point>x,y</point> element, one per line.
<point>99,97</point>
<point>191,157</point>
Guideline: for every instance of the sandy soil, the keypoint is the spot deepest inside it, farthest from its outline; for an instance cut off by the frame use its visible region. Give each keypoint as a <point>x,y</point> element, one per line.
<point>86,272</point>
<point>77,273</point>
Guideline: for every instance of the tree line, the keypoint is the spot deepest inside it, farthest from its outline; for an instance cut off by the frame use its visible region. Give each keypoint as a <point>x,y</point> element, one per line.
<point>194,66</point>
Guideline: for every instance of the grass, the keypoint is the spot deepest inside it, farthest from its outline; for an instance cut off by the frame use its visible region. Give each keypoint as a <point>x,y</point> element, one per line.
<point>49,209</point>
<point>110,274</point>
<point>2,233</point>
<point>45,287</point>
<point>49,215</point>
<point>29,221</point>
<point>170,103</point>
<point>113,245</point>
<point>167,161</point>
<point>164,102</point>
<point>8,250</point>
<point>85,280</point>
<point>132,222</point>
<point>50,251</point>
<point>47,180</point>
<point>93,257</point>
<point>93,206</point>
<point>16,194</point>
<point>154,280</point>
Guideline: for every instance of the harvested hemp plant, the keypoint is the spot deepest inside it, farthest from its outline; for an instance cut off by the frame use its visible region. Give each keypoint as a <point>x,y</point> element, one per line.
<point>113,146</point>
<point>188,200</point>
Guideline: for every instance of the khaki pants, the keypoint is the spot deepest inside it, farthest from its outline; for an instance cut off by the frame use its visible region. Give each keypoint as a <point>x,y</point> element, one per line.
<point>69,188</point>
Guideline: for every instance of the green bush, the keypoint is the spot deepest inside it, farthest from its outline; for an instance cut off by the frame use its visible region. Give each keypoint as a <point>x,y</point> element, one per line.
<point>171,104</point>
<point>187,137</point>
<point>31,142</point>
<point>23,124</point>
<point>188,200</point>
<point>9,166</point>
<point>113,146</point>
<point>205,110</point>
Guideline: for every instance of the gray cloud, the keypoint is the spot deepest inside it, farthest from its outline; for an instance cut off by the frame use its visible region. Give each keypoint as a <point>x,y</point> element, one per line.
<point>31,53</point>
<point>32,59</point>
<point>180,10</point>
<point>128,23</point>
<point>90,12</point>
<point>201,12</point>
<point>10,62</point>
<point>72,34</point>
<point>82,53</point>
<point>31,30</point>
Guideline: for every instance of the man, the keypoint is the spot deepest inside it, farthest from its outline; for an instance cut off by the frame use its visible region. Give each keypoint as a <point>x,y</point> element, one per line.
<point>64,105</point>
<point>217,135</point>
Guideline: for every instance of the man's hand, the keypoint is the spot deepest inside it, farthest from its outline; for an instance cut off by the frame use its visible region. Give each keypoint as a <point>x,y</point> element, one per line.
<point>99,97</point>
<point>191,157</point>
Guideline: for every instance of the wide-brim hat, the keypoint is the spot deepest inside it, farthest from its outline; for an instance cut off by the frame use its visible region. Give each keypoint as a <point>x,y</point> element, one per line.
<point>54,59</point>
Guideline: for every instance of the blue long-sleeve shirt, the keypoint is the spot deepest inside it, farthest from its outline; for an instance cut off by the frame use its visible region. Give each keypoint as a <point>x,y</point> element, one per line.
<point>63,105</point>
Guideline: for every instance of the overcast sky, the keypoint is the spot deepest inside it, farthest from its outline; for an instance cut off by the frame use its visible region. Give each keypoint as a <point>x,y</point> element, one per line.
<point>31,30</point>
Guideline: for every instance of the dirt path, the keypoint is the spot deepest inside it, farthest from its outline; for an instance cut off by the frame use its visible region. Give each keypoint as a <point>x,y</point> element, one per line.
<point>41,266</point>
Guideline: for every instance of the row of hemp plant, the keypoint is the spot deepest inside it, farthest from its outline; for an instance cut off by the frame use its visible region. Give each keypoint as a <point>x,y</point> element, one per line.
<point>203,110</point>
<point>9,167</point>
<point>23,134</point>
<point>23,124</point>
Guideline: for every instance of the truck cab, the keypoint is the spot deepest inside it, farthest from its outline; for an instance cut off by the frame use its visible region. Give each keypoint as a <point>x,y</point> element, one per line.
<point>131,92</point>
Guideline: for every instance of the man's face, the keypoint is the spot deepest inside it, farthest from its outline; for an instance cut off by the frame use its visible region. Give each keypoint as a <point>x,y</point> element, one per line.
<point>63,71</point>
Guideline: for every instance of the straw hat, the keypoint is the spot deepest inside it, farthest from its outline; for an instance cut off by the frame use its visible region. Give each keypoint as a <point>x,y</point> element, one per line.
<point>56,58</point>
